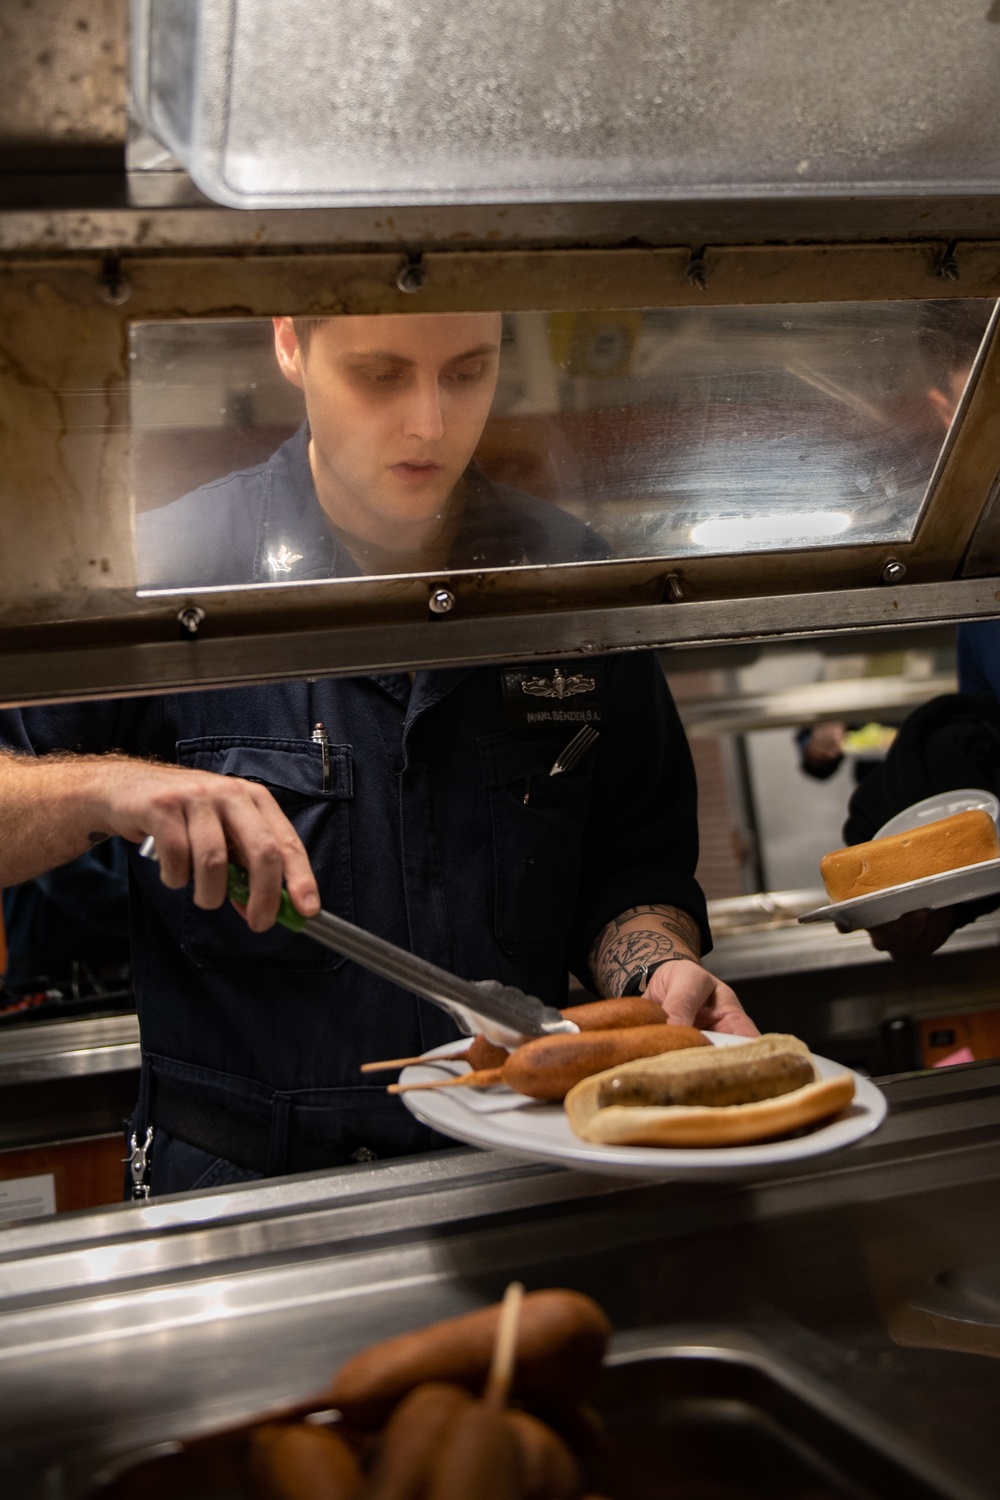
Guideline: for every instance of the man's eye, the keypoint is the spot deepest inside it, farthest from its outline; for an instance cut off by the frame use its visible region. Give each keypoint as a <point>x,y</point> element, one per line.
<point>467,375</point>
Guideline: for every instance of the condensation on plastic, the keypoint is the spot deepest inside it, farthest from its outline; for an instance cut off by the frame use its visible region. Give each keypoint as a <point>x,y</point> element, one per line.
<point>671,433</point>
<point>313,103</point>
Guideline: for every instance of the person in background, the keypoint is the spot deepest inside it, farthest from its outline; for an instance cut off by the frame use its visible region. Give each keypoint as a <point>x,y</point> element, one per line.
<point>822,747</point>
<point>949,743</point>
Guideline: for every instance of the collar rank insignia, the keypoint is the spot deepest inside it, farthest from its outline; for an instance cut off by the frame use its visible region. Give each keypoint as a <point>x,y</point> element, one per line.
<point>283,560</point>
<point>558,685</point>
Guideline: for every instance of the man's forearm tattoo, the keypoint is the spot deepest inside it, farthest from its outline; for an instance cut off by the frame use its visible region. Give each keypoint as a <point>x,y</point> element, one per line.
<point>642,935</point>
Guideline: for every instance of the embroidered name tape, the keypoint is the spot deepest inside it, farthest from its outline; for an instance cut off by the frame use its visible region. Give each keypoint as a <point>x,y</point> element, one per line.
<point>553,694</point>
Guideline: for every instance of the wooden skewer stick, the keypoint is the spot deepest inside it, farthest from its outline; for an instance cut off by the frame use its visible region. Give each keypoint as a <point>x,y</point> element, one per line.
<point>388,1063</point>
<point>483,1079</point>
<point>501,1376</point>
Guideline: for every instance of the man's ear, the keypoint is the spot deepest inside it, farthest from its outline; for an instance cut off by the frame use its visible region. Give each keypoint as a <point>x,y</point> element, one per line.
<point>288,351</point>
<point>943,405</point>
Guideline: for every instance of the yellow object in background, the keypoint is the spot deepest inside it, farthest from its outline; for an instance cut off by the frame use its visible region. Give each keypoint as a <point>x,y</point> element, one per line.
<point>596,344</point>
<point>870,737</point>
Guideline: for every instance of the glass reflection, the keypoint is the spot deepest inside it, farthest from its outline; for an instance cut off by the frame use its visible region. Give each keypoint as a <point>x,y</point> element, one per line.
<point>293,449</point>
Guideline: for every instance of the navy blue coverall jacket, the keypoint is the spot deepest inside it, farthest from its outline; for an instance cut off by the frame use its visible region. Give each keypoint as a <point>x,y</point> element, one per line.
<point>422,833</point>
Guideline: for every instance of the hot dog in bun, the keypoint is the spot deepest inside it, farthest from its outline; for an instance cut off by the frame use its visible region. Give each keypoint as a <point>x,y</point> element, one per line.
<point>720,1096</point>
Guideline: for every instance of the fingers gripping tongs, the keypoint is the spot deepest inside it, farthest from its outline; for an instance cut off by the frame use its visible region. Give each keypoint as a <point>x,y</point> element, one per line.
<point>501,1012</point>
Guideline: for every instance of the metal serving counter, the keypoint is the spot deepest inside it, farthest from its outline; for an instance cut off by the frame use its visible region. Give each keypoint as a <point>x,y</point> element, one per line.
<point>783,947</point>
<point>853,1283</point>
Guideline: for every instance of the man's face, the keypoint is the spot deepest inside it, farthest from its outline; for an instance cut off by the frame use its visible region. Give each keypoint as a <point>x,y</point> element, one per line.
<point>396,406</point>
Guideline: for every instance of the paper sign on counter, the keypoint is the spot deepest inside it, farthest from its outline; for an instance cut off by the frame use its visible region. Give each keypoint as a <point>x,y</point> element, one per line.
<point>27,1198</point>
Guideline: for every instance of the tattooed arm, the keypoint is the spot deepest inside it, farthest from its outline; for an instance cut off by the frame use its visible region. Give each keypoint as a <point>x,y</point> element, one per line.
<point>664,935</point>
<point>642,935</point>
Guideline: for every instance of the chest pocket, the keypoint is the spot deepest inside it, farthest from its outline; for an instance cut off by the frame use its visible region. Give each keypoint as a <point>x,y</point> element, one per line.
<point>537,844</point>
<point>292,771</point>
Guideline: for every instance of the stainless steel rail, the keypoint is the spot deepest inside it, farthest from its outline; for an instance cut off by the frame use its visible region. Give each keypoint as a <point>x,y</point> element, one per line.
<point>68,1049</point>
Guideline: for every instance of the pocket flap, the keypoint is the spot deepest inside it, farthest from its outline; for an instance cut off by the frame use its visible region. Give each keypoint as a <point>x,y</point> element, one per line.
<point>513,757</point>
<point>295,765</point>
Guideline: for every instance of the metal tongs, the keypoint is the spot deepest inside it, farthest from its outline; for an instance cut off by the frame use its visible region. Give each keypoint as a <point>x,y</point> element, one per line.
<point>503,1014</point>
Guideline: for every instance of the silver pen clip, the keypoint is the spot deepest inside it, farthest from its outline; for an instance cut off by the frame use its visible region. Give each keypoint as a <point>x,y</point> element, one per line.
<point>322,739</point>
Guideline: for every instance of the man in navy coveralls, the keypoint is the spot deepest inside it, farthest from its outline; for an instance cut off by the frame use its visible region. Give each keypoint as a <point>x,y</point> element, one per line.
<point>419,806</point>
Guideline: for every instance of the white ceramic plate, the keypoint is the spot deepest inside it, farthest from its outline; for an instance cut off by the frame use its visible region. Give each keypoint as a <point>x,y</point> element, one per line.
<point>942,805</point>
<point>500,1120</point>
<point>966,884</point>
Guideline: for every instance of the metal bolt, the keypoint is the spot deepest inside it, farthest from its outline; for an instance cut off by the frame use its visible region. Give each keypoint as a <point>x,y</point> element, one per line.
<point>442,602</point>
<point>412,274</point>
<point>114,287</point>
<point>190,619</point>
<point>696,270</point>
<point>893,572</point>
<point>675,589</point>
<point>946,267</point>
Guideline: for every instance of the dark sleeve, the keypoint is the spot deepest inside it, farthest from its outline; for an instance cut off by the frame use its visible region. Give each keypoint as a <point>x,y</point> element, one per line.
<point>969,641</point>
<point>87,728</point>
<point>641,843</point>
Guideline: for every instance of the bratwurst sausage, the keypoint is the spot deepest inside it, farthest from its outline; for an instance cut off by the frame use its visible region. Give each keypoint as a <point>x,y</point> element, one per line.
<point>760,1089</point>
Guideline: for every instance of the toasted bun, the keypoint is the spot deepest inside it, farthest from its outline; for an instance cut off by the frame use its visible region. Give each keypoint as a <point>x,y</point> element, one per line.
<point>701,1125</point>
<point>730,1125</point>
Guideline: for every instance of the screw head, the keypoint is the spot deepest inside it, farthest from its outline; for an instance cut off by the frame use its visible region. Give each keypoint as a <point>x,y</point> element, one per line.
<point>190,619</point>
<point>114,290</point>
<point>412,275</point>
<point>893,572</point>
<point>442,602</point>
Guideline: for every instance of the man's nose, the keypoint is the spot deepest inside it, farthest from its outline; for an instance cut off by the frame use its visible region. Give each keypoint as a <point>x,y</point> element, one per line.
<point>424,417</point>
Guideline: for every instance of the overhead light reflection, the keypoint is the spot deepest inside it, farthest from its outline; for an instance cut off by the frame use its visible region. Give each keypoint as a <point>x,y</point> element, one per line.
<point>732,533</point>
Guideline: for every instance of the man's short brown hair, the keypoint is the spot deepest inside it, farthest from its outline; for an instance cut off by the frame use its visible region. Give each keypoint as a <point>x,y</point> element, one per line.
<point>304,330</point>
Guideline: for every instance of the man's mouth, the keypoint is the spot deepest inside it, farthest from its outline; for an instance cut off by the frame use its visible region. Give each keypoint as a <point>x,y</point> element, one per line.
<point>417,470</point>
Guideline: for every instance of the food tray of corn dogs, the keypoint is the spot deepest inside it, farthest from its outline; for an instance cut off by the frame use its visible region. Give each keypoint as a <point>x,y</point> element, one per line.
<point>521,1400</point>
<point>633,1095</point>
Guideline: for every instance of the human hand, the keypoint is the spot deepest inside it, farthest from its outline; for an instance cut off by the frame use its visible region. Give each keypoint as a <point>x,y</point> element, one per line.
<point>691,996</point>
<point>199,822</point>
<point>916,935</point>
<point>825,744</point>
